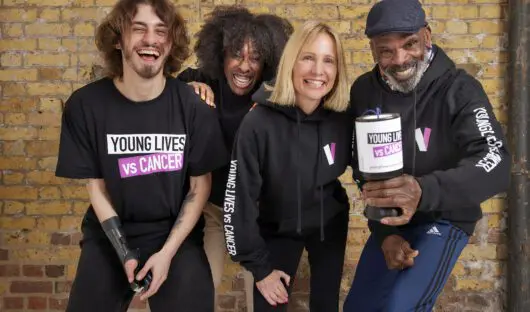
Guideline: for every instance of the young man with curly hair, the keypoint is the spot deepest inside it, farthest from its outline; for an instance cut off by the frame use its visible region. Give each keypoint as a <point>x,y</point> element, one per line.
<point>236,52</point>
<point>146,146</point>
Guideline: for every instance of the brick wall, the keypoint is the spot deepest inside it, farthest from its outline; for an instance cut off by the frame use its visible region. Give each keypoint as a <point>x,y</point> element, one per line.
<point>47,51</point>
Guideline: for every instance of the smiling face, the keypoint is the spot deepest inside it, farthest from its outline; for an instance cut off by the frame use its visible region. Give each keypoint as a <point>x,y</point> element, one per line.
<point>402,57</point>
<point>243,70</point>
<point>315,70</point>
<point>145,45</point>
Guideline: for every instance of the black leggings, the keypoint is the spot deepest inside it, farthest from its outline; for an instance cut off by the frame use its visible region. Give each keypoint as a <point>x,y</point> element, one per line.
<point>101,285</point>
<point>326,260</point>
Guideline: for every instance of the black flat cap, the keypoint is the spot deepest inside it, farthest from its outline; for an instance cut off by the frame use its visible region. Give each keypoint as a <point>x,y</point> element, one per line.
<point>402,16</point>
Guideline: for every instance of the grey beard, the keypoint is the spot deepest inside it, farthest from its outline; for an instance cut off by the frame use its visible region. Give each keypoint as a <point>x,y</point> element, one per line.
<point>408,85</point>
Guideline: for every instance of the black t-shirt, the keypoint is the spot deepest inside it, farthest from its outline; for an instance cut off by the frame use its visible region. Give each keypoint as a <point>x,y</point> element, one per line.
<point>144,151</point>
<point>231,109</point>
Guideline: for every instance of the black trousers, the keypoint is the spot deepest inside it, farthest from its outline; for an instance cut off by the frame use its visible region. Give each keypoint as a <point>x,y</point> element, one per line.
<point>326,260</point>
<point>101,285</point>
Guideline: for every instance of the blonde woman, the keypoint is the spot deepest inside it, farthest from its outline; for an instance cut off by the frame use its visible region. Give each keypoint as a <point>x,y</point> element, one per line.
<point>283,192</point>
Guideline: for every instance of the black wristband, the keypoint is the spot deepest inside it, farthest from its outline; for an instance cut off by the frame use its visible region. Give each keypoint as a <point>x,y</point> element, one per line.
<point>114,232</point>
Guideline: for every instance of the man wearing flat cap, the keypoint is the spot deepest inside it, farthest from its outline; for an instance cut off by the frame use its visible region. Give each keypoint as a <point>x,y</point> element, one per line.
<point>454,158</point>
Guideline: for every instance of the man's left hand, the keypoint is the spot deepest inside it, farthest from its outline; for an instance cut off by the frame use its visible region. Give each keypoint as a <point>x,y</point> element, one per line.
<point>158,264</point>
<point>403,192</point>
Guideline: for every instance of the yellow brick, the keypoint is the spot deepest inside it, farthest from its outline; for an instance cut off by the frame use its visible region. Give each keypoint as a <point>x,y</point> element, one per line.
<point>354,11</point>
<point>80,14</point>
<point>485,27</point>
<point>47,59</point>
<point>10,60</point>
<point>49,44</point>
<point>493,42</point>
<point>71,271</point>
<point>18,74</point>
<point>14,89</point>
<point>458,269</point>
<point>49,2</point>
<point>502,115</point>
<point>18,44</point>
<point>48,29</point>
<point>494,71</point>
<point>492,86</point>
<point>49,89</point>
<point>224,2</point>
<point>13,30</point>
<point>18,104</point>
<point>85,30</point>
<point>341,27</point>
<point>50,15</point>
<point>83,3</point>
<point>46,255</point>
<point>49,192</point>
<point>70,74</point>
<point>80,207</point>
<point>48,133</point>
<point>74,192</point>
<point>14,119</point>
<point>334,2</point>
<point>50,73</point>
<point>254,10</point>
<point>491,11</point>
<point>494,221</point>
<point>45,118</point>
<point>85,59</point>
<point>440,12</point>
<point>17,133</point>
<point>71,44</point>
<point>105,2</point>
<point>459,42</point>
<point>475,252</point>
<point>362,57</point>
<point>86,45</point>
<point>50,104</point>
<point>42,148</point>
<point>15,223</point>
<point>307,11</point>
<point>357,222</point>
<point>356,43</point>
<point>14,148</point>
<point>17,162</point>
<point>48,223</point>
<point>437,27</point>
<point>11,178</point>
<point>494,205</point>
<point>474,285</point>
<point>18,15</point>
<point>13,207</point>
<point>70,223</point>
<point>47,163</point>
<point>28,238</point>
<point>456,27</point>
<point>48,208</point>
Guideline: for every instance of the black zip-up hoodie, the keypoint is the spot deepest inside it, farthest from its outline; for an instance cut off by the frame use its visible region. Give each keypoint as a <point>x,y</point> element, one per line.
<point>283,177</point>
<point>452,142</point>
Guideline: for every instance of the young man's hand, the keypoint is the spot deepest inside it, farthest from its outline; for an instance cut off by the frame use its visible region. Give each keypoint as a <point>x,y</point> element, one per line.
<point>158,264</point>
<point>272,288</point>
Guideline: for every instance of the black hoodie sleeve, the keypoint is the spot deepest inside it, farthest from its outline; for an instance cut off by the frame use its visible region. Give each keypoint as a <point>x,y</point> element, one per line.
<point>484,166</point>
<point>243,240</point>
<point>191,74</point>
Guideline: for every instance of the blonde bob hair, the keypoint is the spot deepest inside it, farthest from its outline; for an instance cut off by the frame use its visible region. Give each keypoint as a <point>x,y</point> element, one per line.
<point>283,92</point>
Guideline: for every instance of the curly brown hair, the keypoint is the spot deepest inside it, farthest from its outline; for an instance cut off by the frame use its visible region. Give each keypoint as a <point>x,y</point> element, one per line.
<point>227,28</point>
<point>118,22</point>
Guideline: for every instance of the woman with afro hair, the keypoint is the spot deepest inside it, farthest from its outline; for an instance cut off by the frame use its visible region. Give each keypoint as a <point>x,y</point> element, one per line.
<point>236,52</point>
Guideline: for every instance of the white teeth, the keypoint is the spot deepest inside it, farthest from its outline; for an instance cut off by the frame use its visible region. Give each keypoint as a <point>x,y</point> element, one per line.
<point>316,83</point>
<point>241,81</point>
<point>149,52</point>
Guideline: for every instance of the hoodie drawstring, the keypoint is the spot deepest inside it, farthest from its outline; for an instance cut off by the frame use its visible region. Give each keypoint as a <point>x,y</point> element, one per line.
<point>319,159</point>
<point>298,181</point>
